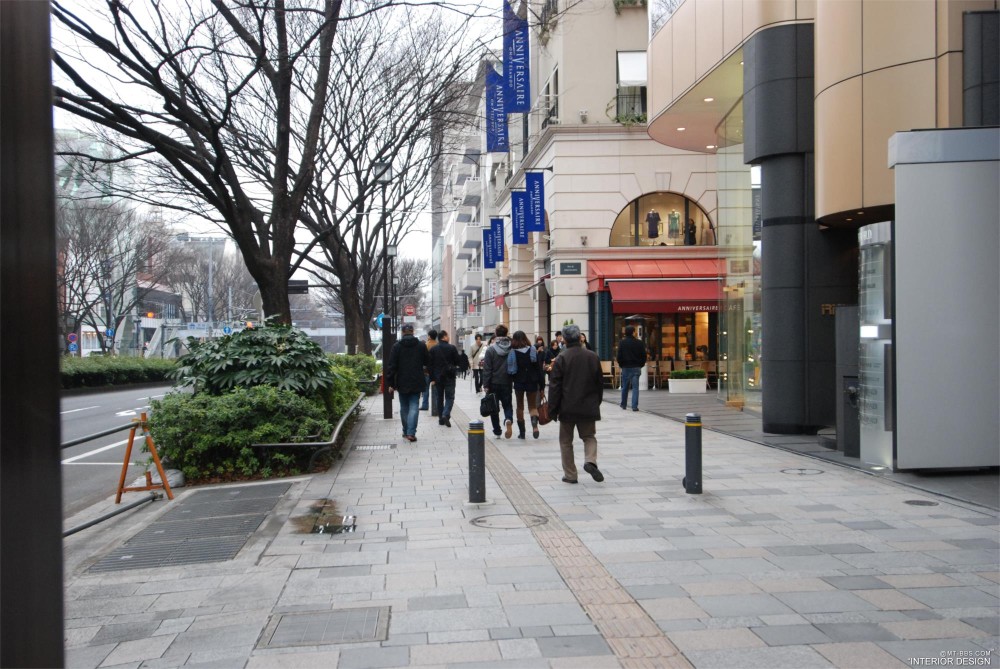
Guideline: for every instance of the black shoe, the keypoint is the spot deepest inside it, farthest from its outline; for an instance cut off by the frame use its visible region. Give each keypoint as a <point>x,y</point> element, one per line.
<point>566,480</point>
<point>496,433</point>
<point>634,409</point>
<point>592,469</point>
<point>622,406</point>
<point>447,422</point>
<point>440,421</point>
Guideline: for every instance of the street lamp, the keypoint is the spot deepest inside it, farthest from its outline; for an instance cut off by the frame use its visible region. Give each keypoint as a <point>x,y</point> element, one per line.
<point>382,173</point>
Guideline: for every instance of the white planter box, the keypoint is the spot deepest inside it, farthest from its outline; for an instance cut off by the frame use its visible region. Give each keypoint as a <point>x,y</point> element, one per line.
<point>688,386</point>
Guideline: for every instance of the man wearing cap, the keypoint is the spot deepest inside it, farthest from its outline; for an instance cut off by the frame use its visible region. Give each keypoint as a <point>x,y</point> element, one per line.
<point>408,362</point>
<point>576,388</point>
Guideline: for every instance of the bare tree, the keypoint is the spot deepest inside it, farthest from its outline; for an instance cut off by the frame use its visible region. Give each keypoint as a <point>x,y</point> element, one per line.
<point>414,277</point>
<point>211,101</point>
<point>233,288</point>
<point>110,258</point>
<point>403,74</point>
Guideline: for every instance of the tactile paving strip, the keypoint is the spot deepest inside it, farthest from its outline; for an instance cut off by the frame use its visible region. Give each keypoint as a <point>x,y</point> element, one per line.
<point>207,526</point>
<point>326,627</point>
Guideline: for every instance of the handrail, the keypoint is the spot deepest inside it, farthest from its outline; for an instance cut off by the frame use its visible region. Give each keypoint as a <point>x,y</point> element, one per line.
<point>97,435</point>
<point>321,446</point>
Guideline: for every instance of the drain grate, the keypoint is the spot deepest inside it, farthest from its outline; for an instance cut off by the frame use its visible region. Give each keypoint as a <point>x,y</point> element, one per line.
<point>208,526</point>
<point>326,627</point>
<point>802,471</point>
<point>373,447</point>
<point>509,521</point>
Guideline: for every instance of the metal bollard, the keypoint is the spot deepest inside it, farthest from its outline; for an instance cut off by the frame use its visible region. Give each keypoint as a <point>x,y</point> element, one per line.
<point>692,454</point>
<point>477,462</point>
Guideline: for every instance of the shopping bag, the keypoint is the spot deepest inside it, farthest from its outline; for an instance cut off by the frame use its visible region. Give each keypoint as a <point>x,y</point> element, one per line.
<point>543,411</point>
<point>488,406</point>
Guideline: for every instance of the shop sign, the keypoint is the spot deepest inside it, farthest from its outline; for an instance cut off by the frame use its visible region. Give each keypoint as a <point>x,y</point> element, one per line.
<point>698,307</point>
<point>570,268</point>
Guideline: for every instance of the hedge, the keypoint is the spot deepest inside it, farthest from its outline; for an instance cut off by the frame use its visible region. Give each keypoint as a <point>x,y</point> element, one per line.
<point>98,371</point>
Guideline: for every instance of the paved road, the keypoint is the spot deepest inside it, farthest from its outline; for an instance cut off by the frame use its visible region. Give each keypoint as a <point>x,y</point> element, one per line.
<point>91,470</point>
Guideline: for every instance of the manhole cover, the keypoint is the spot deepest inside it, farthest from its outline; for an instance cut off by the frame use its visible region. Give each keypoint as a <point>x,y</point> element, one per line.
<point>373,447</point>
<point>802,471</point>
<point>920,502</point>
<point>509,521</point>
<point>326,627</point>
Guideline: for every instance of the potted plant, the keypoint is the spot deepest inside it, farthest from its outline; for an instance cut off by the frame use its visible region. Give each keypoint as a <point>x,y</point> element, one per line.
<point>688,381</point>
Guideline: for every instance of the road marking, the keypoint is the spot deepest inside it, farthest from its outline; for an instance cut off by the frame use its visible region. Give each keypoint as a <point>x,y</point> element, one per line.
<point>130,412</point>
<point>148,397</point>
<point>96,450</point>
<point>83,409</point>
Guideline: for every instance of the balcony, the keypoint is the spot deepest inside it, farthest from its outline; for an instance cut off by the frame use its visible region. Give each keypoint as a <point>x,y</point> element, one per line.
<point>472,280</point>
<point>472,192</point>
<point>471,237</point>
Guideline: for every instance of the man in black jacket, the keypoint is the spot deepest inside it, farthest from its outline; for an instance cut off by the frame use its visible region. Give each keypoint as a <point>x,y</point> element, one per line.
<point>444,363</point>
<point>631,358</point>
<point>408,362</point>
<point>576,389</point>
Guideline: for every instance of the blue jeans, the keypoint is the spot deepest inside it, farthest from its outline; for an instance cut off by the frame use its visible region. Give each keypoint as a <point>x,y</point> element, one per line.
<point>425,395</point>
<point>445,390</point>
<point>409,411</point>
<point>503,394</point>
<point>630,376</point>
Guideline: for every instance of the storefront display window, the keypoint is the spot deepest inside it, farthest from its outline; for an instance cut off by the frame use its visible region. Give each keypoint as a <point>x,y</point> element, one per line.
<point>663,219</point>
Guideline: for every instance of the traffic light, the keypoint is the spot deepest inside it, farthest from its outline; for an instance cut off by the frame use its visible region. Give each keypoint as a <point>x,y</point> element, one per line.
<point>150,314</point>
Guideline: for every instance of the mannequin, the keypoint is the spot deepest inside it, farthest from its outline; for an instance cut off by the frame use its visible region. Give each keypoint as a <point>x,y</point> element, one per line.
<point>653,224</point>
<point>673,225</point>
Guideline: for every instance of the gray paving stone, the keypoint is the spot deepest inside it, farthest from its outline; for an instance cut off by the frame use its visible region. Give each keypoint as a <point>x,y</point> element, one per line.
<point>813,508</point>
<point>125,632</point>
<point>955,597</point>
<point>851,632</point>
<point>936,648</point>
<point>983,556</point>
<point>808,563</point>
<point>750,565</point>
<point>372,658</point>
<point>437,602</point>
<point>655,591</point>
<point>856,582</point>
<point>835,601</point>
<point>792,550</point>
<point>973,543</point>
<point>741,605</point>
<point>505,633</point>
<point>733,622</point>
<point>669,532</point>
<point>87,657</point>
<point>779,657</point>
<point>867,525</point>
<point>684,555</point>
<point>219,637</point>
<point>613,535</point>
<point>449,620</point>
<point>842,549</point>
<point>922,614</point>
<point>573,646</point>
<point>335,572</point>
<point>546,615</point>
<point>990,625</point>
<point>790,635</point>
<point>521,574</point>
<point>538,632</point>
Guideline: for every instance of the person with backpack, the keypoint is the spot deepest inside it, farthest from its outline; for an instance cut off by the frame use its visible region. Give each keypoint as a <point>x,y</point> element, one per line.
<point>408,360</point>
<point>523,367</point>
<point>443,370</point>
<point>496,380</point>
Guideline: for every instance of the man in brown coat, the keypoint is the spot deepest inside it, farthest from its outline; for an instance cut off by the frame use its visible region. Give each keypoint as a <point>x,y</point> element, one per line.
<point>576,388</point>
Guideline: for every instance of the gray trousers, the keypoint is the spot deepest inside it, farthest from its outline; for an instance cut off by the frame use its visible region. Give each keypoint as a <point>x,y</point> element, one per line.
<point>587,430</point>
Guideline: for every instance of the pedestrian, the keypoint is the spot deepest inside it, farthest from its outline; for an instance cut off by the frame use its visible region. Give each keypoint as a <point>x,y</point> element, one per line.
<point>584,342</point>
<point>576,388</point>
<point>631,358</point>
<point>408,361</point>
<point>551,353</point>
<point>463,362</point>
<point>443,367</point>
<point>496,380</point>
<point>559,338</point>
<point>432,337</point>
<point>523,368</point>
<point>476,358</point>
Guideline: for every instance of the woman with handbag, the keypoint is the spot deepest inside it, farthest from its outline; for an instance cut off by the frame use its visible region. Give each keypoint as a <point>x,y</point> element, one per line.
<point>522,366</point>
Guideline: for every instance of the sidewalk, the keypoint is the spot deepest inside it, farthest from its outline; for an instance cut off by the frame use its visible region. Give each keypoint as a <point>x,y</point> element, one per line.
<point>781,562</point>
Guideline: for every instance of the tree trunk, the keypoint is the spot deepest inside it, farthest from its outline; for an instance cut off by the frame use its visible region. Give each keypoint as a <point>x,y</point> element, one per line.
<point>274,295</point>
<point>355,323</point>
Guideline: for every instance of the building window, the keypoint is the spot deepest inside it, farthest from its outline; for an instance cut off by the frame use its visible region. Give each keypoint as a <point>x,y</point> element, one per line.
<point>663,219</point>
<point>631,102</point>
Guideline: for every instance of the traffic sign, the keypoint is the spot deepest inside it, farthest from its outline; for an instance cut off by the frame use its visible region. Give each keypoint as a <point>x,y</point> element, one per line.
<point>72,348</point>
<point>71,337</point>
<point>409,310</point>
<point>227,330</point>
<point>110,332</point>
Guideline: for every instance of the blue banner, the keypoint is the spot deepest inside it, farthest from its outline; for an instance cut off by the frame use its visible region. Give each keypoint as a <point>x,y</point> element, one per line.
<point>496,115</point>
<point>515,61</point>
<point>518,217</point>
<point>488,246</point>
<point>496,224</point>
<point>535,184</point>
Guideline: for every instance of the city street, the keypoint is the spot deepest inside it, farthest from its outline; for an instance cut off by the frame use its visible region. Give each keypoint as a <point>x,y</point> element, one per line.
<point>90,470</point>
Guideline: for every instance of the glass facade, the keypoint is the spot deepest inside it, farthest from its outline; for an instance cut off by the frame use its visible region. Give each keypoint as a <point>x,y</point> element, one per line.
<point>663,219</point>
<point>739,238</point>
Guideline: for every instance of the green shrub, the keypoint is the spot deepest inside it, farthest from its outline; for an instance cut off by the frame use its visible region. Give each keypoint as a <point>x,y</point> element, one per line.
<point>97,371</point>
<point>209,437</point>
<point>365,366</point>
<point>271,355</point>
<point>344,390</point>
<point>688,374</point>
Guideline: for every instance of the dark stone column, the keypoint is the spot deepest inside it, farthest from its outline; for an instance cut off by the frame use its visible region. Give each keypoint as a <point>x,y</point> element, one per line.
<point>31,586</point>
<point>981,68</point>
<point>803,267</point>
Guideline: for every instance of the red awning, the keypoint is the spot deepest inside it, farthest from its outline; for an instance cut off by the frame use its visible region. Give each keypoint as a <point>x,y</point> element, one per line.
<point>665,297</point>
<point>600,273</point>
